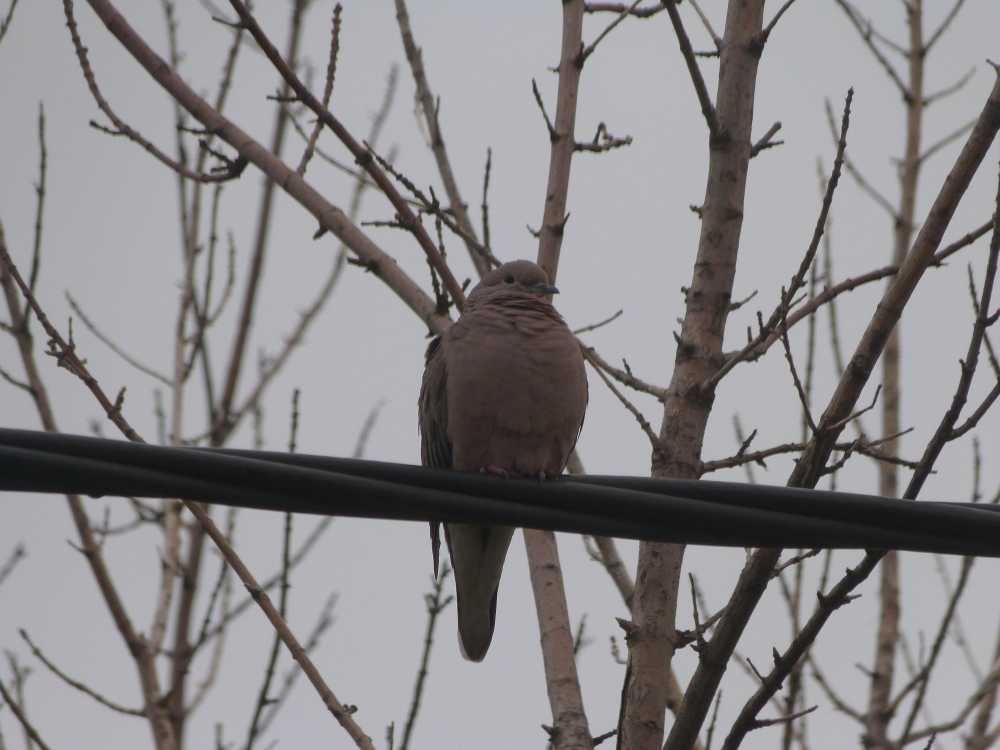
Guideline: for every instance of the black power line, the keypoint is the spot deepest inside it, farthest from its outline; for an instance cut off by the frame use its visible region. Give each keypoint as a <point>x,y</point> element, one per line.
<point>691,512</point>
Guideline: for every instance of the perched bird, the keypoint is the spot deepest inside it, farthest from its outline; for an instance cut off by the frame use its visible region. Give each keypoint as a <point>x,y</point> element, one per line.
<point>504,392</point>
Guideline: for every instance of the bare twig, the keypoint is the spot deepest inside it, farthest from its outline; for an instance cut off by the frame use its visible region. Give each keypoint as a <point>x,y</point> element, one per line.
<point>946,428</point>
<point>64,352</point>
<point>16,556</point>
<point>989,683</point>
<point>553,136</point>
<point>223,584</point>
<point>835,699</point>
<point>603,141</point>
<point>945,92</point>
<point>770,27</point>
<point>646,12</point>
<point>168,572</point>
<point>589,49</point>
<point>978,414</point>
<point>263,698</point>
<point>794,561</point>
<point>715,129</point>
<point>780,313</point>
<point>36,254</point>
<point>430,108</point>
<point>716,39</point>
<point>16,383</point>
<point>331,72</point>
<point>436,604</point>
<point>232,169</point>
<point>79,685</point>
<point>863,447</point>
<point>760,723</point>
<point>744,444</point>
<point>15,708</point>
<point>485,206</point>
<point>803,397</point>
<point>943,27</point>
<point>625,377</point>
<point>654,440</point>
<point>864,29</point>
<point>5,23</point>
<point>763,342</point>
<point>922,680</point>
<point>765,142</point>
<point>853,171</point>
<point>595,326</point>
<point>114,347</point>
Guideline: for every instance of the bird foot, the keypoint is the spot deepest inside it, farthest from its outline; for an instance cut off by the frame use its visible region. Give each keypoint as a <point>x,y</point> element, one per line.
<point>491,469</point>
<point>546,474</point>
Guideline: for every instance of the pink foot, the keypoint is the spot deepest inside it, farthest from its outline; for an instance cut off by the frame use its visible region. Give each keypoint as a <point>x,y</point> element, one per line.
<point>491,469</point>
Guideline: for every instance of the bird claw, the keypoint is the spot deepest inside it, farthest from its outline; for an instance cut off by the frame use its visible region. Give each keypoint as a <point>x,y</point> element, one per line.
<point>542,475</point>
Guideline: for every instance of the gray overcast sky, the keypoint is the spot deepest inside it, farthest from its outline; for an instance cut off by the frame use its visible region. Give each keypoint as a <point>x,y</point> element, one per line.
<point>111,239</point>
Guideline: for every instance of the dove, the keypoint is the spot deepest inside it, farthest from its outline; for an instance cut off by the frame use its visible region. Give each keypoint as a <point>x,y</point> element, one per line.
<point>504,392</point>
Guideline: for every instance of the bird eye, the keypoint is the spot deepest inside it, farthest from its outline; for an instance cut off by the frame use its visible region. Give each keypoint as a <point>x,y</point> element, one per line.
<point>508,279</point>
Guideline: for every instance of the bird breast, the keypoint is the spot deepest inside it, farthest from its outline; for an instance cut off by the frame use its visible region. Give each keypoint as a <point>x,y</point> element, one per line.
<point>517,388</point>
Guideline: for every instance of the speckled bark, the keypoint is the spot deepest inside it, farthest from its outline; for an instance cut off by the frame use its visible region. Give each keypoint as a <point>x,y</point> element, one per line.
<point>699,355</point>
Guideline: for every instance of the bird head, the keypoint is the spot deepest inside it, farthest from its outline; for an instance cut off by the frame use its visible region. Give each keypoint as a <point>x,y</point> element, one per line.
<point>516,276</point>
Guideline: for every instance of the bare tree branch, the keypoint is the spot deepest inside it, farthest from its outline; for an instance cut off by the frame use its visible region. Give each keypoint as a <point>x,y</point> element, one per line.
<point>570,729</point>
<point>810,466</point>
<point>232,169</point>
<point>686,412</point>
<point>430,109</point>
<point>853,171</point>
<point>780,314</point>
<point>144,658</point>
<point>69,359</point>
<point>562,135</point>
<point>864,29</point>
<point>654,439</point>
<point>363,155</point>
<point>589,49</point>
<point>646,12</point>
<point>716,39</point>
<point>331,72</point>
<point>625,377</point>
<point>715,128</point>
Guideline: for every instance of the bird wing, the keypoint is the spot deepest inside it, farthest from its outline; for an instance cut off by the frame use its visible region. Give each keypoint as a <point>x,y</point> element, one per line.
<point>435,445</point>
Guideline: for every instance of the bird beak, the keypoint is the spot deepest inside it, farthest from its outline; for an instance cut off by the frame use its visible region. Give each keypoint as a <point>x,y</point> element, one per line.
<point>543,288</point>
